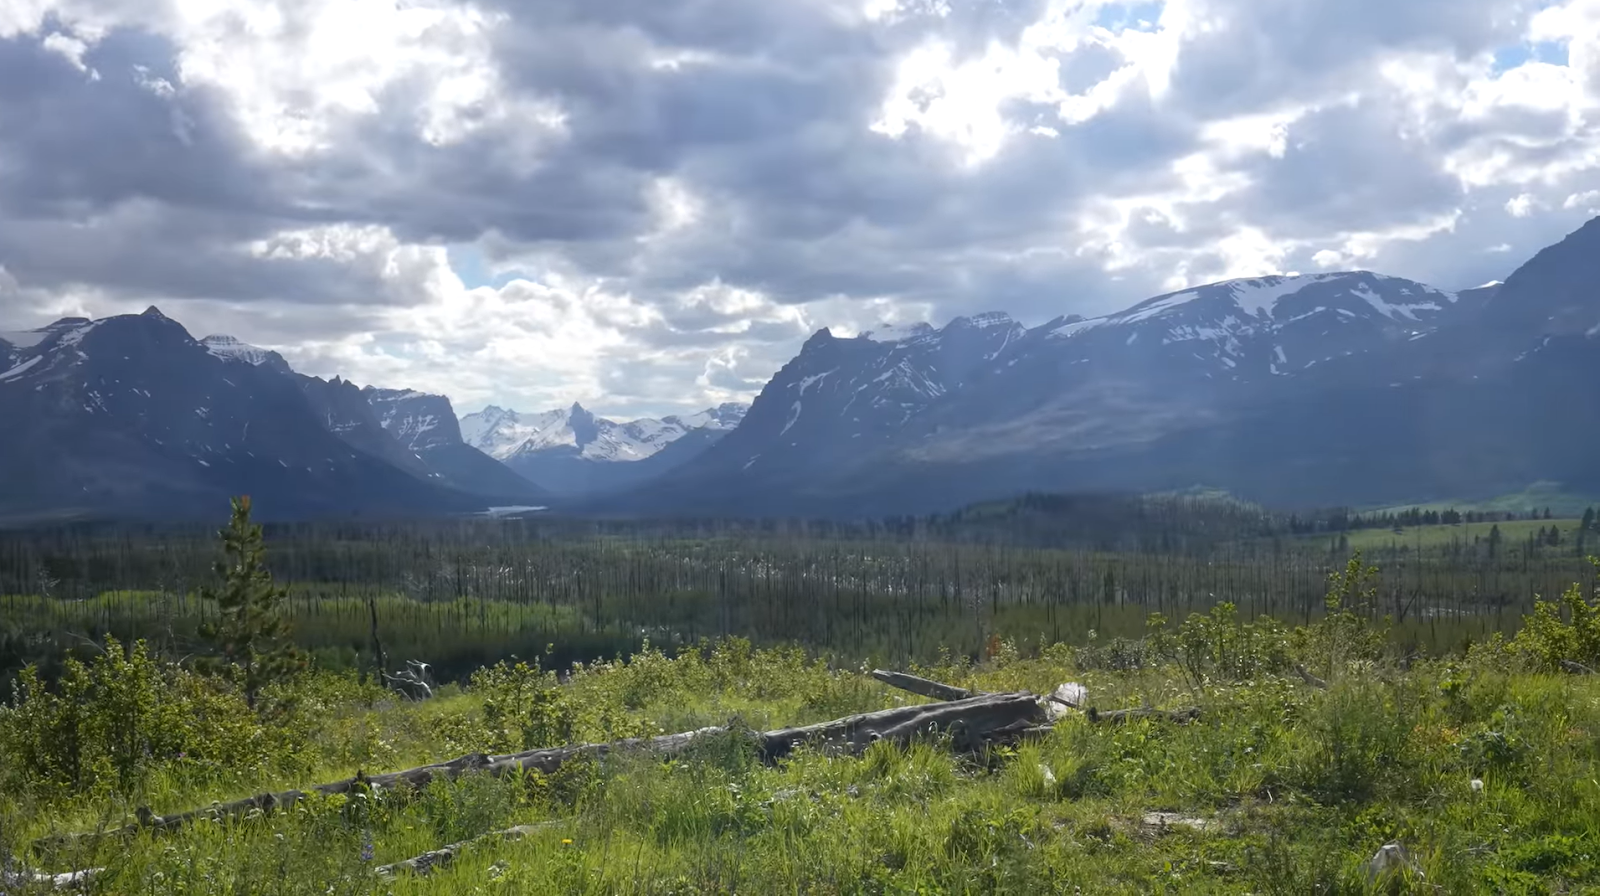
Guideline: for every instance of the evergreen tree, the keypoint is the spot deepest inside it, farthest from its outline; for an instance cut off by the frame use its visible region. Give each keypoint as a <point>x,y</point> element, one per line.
<point>1588,518</point>
<point>1494,540</point>
<point>250,634</point>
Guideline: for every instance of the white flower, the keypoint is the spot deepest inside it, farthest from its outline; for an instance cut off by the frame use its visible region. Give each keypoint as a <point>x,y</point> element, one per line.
<point>1477,785</point>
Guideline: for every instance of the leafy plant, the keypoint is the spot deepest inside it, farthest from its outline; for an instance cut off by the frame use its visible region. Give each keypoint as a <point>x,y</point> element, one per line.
<point>1562,632</point>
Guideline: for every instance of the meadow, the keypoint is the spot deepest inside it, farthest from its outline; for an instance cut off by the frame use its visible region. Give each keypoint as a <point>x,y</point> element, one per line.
<point>1330,725</point>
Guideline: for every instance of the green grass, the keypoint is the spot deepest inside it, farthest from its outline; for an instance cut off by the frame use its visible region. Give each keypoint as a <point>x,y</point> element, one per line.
<point>1514,533</point>
<point>1296,787</point>
<point>1537,496</point>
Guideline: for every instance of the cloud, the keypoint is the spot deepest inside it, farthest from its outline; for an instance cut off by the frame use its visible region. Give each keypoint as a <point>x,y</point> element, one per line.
<point>647,205</point>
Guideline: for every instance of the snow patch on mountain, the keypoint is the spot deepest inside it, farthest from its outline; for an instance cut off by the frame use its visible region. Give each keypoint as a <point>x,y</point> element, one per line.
<point>20,369</point>
<point>230,349</point>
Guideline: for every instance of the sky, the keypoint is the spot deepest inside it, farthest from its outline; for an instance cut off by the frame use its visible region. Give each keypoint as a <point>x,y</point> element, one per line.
<point>648,205</point>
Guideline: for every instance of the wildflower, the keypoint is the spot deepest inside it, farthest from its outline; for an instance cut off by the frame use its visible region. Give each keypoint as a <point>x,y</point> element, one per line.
<point>1477,785</point>
<point>366,850</point>
<point>566,841</point>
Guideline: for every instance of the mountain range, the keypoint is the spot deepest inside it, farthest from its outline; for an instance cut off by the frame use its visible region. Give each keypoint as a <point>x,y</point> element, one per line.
<point>571,452</point>
<point>1336,388</point>
<point>1343,388</point>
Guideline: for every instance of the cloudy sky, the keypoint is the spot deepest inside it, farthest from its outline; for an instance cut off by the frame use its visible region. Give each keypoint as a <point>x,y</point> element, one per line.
<point>647,205</point>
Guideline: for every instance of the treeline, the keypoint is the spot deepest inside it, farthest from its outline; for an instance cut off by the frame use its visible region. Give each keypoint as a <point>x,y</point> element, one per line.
<point>463,594</point>
<point>1349,521</point>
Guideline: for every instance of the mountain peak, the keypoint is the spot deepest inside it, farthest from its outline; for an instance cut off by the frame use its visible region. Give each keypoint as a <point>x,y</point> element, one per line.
<point>154,313</point>
<point>821,337</point>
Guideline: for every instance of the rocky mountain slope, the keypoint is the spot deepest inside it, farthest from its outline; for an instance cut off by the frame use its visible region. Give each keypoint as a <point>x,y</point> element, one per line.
<point>1292,390</point>
<point>130,416</point>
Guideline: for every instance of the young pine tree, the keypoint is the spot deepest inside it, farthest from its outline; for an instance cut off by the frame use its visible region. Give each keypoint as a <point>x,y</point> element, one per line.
<point>250,634</point>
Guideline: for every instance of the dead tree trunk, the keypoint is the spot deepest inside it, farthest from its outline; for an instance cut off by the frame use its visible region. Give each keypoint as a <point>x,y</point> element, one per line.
<point>922,686</point>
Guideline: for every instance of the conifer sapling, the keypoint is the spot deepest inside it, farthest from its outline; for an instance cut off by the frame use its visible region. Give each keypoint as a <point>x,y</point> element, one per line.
<point>250,634</point>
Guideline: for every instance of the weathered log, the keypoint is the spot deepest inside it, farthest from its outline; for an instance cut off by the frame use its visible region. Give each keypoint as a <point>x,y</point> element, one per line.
<point>922,686</point>
<point>1576,668</point>
<point>267,803</point>
<point>968,720</point>
<point>444,855</point>
<point>1118,716</point>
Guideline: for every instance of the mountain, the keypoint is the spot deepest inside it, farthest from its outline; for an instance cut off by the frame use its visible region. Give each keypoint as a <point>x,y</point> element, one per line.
<point>230,349</point>
<point>573,452</point>
<point>1319,389</point>
<point>426,427</point>
<point>131,416</point>
<point>413,431</point>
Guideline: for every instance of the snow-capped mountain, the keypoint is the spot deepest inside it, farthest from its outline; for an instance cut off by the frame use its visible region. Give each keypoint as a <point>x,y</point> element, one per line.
<point>420,421</point>
<point>1168,393</point>
<point>842,399</point>
<point>426,429</point>
<point>572,451</point>
<point>505,434</point>
<point>130,415</point>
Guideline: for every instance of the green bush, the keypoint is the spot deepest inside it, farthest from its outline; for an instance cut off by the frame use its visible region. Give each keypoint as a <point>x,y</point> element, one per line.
<point>1562,632</point>
<point>110,722</point>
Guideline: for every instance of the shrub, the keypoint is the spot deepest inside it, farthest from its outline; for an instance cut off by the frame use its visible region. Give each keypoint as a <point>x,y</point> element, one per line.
<point>112,721</point>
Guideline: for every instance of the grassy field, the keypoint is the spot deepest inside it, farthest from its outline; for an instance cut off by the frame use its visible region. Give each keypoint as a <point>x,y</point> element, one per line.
<point>1515,532</point>
<point>1339,716</point>
<point>1280,787</point>
<point>1536,497</point>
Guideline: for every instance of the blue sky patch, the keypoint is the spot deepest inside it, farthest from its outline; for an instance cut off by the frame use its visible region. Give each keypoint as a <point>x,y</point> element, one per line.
<point>1508,58</point>
<point>473,269</point>
<point>1138,16</point>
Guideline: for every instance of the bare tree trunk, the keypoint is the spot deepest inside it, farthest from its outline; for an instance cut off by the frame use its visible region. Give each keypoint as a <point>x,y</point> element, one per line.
<point>922,686</point>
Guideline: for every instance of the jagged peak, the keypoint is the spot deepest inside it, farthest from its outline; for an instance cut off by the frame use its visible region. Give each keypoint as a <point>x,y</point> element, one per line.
<point>821,337</point>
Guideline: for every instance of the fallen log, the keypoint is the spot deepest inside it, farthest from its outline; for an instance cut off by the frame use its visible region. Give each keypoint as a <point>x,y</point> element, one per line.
<point>922,686</point>
<point>444,855</point>
<point>1118,716</point>
<point>969,721</point>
